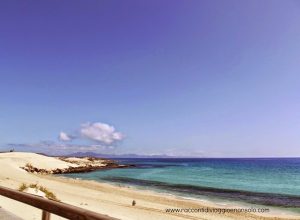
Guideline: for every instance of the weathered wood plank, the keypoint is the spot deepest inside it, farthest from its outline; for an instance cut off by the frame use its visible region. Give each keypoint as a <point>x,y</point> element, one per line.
<point>58,208</point>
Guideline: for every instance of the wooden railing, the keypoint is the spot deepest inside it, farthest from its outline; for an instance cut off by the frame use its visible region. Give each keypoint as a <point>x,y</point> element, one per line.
<point>50,206</point>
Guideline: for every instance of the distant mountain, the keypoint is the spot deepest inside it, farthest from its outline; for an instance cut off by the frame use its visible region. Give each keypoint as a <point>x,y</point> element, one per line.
<point>91,154</point>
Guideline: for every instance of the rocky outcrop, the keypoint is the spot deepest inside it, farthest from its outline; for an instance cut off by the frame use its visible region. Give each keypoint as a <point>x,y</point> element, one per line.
<point>81,165</point>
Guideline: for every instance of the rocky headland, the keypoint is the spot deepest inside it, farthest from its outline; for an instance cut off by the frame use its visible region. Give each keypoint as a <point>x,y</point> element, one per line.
<point>77,165</point>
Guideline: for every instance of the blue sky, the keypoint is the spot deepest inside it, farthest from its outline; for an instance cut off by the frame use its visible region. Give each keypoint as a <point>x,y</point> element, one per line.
<point>189,78</point>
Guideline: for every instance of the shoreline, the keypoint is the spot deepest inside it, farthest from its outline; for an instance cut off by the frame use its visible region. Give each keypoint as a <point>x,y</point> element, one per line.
<point>193,201</point>
<point>250,197</point>
<point>208,200</point>
<point>105,198</point>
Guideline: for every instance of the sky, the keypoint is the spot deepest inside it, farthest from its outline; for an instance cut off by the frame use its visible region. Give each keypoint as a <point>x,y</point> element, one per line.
<point>208,78</point>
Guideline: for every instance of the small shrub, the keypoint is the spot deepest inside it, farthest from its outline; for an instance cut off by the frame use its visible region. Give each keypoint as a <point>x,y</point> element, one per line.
<point>22,187</point>
<point>48,193</point>
<point>51,195</point>
<point>33,185</point>
<point>29,165</point>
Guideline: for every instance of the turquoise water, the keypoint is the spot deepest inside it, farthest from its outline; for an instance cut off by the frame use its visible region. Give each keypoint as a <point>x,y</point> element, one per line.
<point>273,182</point>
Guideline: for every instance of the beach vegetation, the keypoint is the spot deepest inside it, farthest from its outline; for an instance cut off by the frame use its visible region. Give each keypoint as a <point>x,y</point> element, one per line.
<point>48,194</point>
<point>29,165</point>
<point>22,187</point>
<point>33,185</point>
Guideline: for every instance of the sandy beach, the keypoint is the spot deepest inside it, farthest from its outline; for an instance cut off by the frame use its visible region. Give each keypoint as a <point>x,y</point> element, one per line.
<point>115,201</point>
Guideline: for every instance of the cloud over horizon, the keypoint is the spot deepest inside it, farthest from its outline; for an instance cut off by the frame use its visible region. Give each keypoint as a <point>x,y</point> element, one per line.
<point>100,133</point>
<point>54,148</point>
<point>96,132</point>
<point>90,137</point>
<point>64,137</point>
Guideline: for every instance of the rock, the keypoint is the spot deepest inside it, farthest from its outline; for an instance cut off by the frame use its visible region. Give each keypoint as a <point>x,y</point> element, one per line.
<point>87,165</point>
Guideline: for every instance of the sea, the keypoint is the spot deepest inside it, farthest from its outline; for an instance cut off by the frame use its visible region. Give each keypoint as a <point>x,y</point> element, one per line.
<point>267,182</point>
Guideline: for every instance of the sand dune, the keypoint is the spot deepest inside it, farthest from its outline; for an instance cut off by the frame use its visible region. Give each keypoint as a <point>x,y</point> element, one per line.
<point>103,198</point>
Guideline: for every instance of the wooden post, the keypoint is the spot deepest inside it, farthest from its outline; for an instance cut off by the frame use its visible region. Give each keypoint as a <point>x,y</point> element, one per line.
<point>45,215</point>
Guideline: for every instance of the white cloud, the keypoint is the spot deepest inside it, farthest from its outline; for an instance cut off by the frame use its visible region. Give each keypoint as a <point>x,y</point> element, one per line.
<point>100,132</point>
<point>64,136</point>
